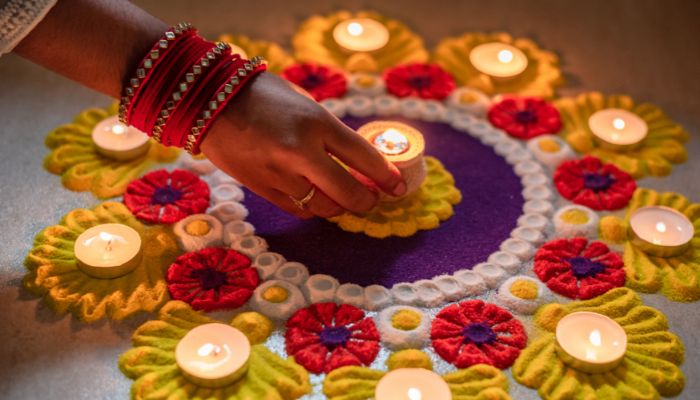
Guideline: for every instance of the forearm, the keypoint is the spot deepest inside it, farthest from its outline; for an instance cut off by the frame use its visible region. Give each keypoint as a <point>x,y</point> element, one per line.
<point>94,42</point>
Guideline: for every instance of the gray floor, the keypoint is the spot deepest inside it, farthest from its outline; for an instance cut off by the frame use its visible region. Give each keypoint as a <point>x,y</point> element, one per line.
<point>648,49</point>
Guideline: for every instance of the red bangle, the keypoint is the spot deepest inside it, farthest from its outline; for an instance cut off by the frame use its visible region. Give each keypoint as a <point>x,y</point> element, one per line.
<point>218,101</point>
<point>173,69</point>
<point>178,126</point>
<point>181,85</point>
<point>145,68</point>
<point>175,93</point>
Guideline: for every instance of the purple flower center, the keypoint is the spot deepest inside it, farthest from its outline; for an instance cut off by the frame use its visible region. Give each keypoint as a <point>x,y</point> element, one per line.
<point>526,116</point>
<point>166,195</point>
<point>597,182</point>
<point>583,267</point>
<point>419,82</point>
<point>209,278</point>
<point>478,333</point>
<point>311,81</point>
<point>334,336</point>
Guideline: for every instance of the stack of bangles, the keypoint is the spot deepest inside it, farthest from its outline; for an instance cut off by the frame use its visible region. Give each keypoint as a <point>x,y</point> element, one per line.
<point>181,85</point>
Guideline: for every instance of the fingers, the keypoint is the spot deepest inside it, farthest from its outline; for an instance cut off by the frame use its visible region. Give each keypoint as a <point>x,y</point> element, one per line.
<point>319,204</point>
<point>337,183</point>
<point>281,200</point>
<point>359,154</point>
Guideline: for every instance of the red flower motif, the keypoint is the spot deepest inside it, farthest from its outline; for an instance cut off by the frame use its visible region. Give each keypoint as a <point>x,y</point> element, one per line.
<point>321,81</point>
<point>326,336</point>
<point>165,198</point>
<point>576,269</point>
<point>474,332</point>
<point>593,184</point>
<point>428,81</point>
<point>212,279</point>
<point>525,117</point>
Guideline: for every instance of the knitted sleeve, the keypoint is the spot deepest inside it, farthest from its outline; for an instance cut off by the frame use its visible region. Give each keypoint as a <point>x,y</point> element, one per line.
<point>18,18</point>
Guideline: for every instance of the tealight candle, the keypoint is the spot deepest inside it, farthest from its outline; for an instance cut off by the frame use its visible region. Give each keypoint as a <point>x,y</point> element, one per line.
<point>403,146</point>
<point>660,231</point>
<point>499,60</point>
<point>361,34</point>
<point>213,355</point>
<point>617,129</point>
<point>108,250</point>
<point>115,140</point>
<point>412,384</point>
<point>590,342</point>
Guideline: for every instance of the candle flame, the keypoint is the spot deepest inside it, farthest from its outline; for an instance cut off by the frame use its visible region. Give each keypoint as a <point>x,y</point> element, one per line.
<point>220,354</point>
<point>209,349</point>
<point>108,239</point>
<point>391,141</point>
<point>594,338</point>
<point>619,124</point>
<point>106,236</point>
<point>414,394</point>
<point>661,227</point>
<point>355,28</point>
<point>505,56</point>
<point>118,129</point>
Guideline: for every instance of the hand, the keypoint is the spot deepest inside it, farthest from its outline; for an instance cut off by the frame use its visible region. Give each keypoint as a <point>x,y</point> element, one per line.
<point>278,142</point>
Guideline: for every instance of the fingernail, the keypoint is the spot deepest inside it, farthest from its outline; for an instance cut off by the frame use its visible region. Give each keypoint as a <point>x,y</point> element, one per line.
<point>400,189</point>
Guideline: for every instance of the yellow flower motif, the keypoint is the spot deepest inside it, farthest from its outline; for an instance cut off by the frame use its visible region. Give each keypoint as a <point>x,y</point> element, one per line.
<point>277,58</point>
<point>74,157</point>
<point>421,210</point>
<point>53,272</point>
<point>678,277</point>
<point>662,147</point>
<point>649,369</point>
<point>151,363</point>
<point>314,43</point>
<point>540,78</point>
<point>478,382</point>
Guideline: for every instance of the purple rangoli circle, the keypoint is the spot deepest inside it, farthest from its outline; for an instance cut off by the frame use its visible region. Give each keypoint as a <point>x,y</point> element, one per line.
<point>491,205</point>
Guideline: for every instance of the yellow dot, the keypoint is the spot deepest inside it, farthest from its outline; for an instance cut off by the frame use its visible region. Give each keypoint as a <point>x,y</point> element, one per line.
<point>409,358</point>
<point>406,320</point>
<point>275,294</point>
<point>468,97</point>
<point>256,327</point>
<point>574,217</point>
<point>199,156</point>
<point>612,229</point>
<point>524,289</point>
<point>366,81</point>
<point>549,145</point>
<point>198,228</point>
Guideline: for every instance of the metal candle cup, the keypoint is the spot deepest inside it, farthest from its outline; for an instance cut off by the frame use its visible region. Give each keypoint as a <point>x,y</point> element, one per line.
<point>108,251</point>
<point>660,231</point>
<point>590,342</point>
<point>403,146</point>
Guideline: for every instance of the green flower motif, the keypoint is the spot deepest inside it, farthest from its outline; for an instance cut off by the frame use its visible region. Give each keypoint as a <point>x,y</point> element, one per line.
<point>314,42</point>
<point>478,382</point>
<point>649,369</point>
<point>151,363</point>
<point>277,58</point>
<point>74,157</point>
<point>53,271</point>
<point>678,277</point>
<point>541,76</point>
<point>662,147</point>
